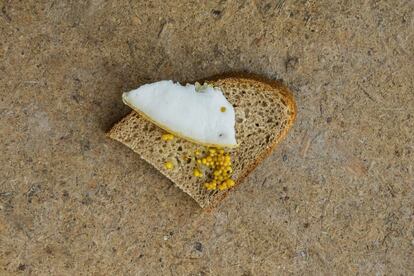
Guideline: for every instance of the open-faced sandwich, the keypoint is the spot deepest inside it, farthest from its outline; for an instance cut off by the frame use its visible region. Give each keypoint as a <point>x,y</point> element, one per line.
<point>206,137</point>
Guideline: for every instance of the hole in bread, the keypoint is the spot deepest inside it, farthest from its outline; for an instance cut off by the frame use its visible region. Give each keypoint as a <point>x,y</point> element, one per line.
<point>180,148</point>
<point>256,124</point>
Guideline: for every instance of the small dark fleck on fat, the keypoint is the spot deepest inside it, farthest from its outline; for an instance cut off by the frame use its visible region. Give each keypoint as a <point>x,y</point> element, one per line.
<point>285,158</point>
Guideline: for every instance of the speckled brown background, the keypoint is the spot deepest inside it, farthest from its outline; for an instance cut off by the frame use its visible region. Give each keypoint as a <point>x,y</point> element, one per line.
<point>336,197</point>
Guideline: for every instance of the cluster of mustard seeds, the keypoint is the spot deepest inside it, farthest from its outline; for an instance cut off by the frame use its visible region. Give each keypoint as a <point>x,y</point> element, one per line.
<point>219,162</point>
<point>214,161</point>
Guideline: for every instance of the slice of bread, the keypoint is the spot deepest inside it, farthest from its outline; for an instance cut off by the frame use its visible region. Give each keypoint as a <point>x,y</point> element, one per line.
<point>265,111</point>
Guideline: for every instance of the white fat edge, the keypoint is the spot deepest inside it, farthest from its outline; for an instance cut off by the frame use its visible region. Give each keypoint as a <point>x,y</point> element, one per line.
<point>188,99</point>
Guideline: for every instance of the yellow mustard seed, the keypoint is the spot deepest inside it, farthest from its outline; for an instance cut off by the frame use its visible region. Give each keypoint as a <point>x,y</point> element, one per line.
<point>197,173</point>
<point>167,137</point>
<point>213,185</point>
<point>222,186</point>
<point>223,109</point>
<point>168,165</point>
<point>230,182</point>
<point>210,186</point>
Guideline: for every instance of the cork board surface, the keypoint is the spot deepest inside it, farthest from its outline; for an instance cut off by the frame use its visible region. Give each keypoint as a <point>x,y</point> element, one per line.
<point>335,197</point>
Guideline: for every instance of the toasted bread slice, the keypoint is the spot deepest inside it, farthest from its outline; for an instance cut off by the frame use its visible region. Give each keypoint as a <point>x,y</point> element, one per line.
<point>265,111</point>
